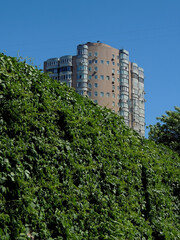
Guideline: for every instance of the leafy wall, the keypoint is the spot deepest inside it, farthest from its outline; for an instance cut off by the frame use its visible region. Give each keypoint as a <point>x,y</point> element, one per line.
<point>70,169</point>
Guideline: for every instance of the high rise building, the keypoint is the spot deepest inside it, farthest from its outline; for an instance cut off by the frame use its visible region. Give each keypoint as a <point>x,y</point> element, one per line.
<point>107,76</point>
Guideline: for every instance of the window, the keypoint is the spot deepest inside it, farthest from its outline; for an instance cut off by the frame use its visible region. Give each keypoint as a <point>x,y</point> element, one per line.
<point>89,94</point>
<point>95,101</point>
<point>122,104</point>
<point>113,87</point>
<point>107,94</point>
<point>126,68</point>
<point>89,69</point>
<point>102,77</point>
<point>113,63</point>
<point>95,61</point>
<point>141,86</point>
<point>113,104</point>
<point>124,56</point>
<point>124,80</point>
<point>118,64</point>
<point>123,113</point>
<point>113,79</point>
<point>124,72</point>
<point>123,88</point>
<point>90,61</point>
<point>107,62</point>
<point>122,96</point>
<point>95,85</point>
<point>79,52</point>
<point>113,95</point>
<point>81,92</point>
<point>118,80</point>
<point>89,77</point>
<point>96,76</point>
<point>135,82</point>
<point>95,54</point>
<point>118,72</point>
<point>95,94</point>
<point>102,61</point>
<point>96,69</point>
<point>66,69</point>
<point>113,70</point>
<point>118,96</point>
<point>112,55</point>
<point>107,78</point>
<point>90,54</point>
<point>78,68</point>
<point>89,85</point>
<point>102,94</point>
<point>135,68</point>
<point>125,65</point>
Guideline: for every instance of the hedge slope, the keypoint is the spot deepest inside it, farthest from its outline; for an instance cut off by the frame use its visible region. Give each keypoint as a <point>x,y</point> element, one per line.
<point>70,169</point>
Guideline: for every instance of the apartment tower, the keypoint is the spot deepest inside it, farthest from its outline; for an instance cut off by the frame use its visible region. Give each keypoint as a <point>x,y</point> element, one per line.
<point>107,76</point>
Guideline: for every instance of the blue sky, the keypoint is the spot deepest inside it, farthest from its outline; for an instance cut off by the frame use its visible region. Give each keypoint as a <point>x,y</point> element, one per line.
<point>148,29</point>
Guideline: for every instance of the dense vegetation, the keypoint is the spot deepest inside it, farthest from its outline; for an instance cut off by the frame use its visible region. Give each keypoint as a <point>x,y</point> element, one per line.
<point>70,169</point>
<point>167,130</point>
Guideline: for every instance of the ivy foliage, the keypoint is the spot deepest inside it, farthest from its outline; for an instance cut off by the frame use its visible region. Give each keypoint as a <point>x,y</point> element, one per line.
<point>72,170</point>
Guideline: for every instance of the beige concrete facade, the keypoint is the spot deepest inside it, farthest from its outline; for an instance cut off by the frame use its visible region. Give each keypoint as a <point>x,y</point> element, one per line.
<point>107,76</point>
<point>103,75</point>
